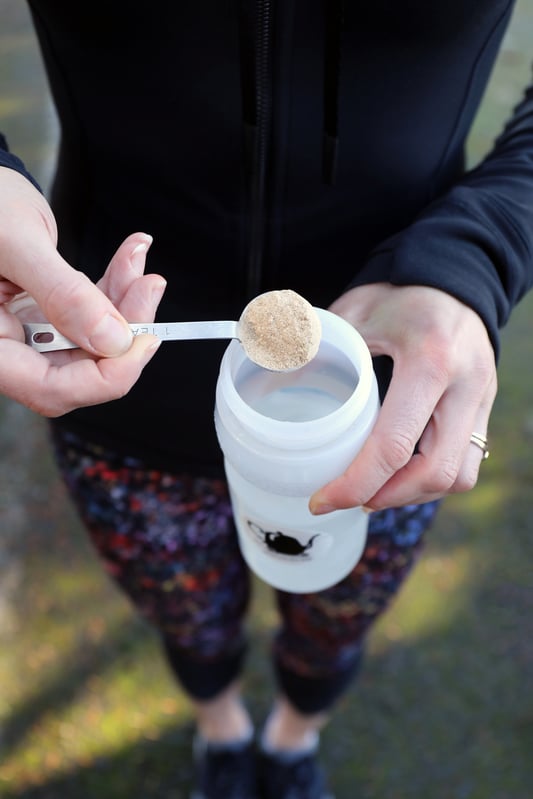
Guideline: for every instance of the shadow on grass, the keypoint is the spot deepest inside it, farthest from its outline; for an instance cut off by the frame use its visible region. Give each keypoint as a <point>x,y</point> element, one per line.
<point>446,710</point>
<point>157,769</point>
<point>419,722</point>
<point>63,685</point>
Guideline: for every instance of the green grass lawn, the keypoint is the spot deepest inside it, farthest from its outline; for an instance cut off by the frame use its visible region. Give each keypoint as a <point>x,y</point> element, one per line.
<point>444,704</point>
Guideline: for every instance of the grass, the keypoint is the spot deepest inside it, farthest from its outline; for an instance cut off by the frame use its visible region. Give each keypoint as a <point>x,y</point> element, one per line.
<point>444,704</point>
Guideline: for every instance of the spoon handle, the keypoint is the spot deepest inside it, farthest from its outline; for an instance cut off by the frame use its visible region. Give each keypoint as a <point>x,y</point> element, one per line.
<point>44,337</point>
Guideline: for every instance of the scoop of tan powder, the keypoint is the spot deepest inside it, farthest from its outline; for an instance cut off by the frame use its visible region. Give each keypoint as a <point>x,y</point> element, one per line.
<point>279,330</point>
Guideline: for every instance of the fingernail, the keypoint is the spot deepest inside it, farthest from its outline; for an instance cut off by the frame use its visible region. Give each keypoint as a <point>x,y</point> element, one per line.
<point>158,291</point>
<point>138,254</point>
<point>111,337</point>
<point>151,349</point>
<point>317,507</point>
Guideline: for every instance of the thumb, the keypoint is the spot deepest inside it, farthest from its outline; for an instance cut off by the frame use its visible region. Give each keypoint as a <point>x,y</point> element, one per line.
<point>78,308</point>
<point>29,260</point>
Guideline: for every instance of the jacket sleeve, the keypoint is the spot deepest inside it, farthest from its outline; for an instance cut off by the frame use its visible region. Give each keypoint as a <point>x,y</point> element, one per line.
<point>476,241</point>
<point>11,161</point>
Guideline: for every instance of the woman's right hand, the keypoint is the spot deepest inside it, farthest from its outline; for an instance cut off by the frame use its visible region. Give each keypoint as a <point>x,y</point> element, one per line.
<point>36,283</point>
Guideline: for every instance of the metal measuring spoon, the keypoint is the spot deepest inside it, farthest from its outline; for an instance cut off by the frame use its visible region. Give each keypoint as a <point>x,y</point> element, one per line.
<point>278,330</point>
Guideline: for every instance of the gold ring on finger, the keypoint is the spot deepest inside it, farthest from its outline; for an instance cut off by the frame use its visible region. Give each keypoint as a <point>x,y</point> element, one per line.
<point>480,441</point>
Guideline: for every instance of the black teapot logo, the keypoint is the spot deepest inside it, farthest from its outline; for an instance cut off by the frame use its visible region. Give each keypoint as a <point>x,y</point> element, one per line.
<point>281,543</point>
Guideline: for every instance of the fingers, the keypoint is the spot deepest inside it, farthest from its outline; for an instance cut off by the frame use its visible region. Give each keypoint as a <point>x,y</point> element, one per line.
<point>445,460</point>
<point>442,389</point>
<point>109,360</point>
<point>29,260</point>
<point>10,327</point>
<point>8,290</point>
<point>54,390</point>
<point>390,447</point>
<point>441,462</point>
<point>58,382</point>
<point>126,265</point>
<point>141,300</point>
<point>135,295</point>
<point>95,316</point>
<point>81,311</point>
<point>78,308</point>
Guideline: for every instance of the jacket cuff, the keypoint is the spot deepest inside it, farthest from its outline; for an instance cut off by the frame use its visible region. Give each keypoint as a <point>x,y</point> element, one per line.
<point>11,161</point>
<point>453,251</point>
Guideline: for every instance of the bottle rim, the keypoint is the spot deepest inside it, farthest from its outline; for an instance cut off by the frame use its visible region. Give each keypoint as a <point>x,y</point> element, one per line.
<point>340,335</point>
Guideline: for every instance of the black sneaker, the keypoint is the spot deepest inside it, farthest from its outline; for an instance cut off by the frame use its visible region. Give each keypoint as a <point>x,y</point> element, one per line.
<point>291,776</point>
<point>224,771</point>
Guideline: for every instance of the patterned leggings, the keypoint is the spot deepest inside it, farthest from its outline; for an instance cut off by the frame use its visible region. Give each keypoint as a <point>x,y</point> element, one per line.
<point>169,541</point>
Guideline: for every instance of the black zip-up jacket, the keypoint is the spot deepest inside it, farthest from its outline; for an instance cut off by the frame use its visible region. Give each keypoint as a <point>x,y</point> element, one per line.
<point>298,144</point>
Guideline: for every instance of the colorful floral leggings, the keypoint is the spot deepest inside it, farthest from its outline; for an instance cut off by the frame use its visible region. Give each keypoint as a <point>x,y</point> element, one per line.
<point>169,541</point>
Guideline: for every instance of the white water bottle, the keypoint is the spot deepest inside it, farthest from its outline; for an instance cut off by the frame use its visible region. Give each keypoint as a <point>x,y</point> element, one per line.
<point>286,434</point>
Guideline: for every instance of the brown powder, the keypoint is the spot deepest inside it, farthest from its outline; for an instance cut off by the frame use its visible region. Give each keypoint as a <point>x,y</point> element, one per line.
<point>279,330</point>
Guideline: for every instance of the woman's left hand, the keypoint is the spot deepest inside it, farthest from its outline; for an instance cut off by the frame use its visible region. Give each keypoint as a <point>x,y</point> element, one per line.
<point>442,390</point>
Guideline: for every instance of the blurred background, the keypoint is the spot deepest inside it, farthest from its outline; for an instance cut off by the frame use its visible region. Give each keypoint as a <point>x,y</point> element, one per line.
<point>444,704</point>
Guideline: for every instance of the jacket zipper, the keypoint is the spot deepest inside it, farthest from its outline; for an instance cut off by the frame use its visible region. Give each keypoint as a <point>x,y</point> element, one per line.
<point>263,114</point>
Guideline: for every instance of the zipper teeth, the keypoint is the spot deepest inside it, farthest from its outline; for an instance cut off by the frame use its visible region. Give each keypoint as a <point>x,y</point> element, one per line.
<point>263,98</point>
<point>263,107</point>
